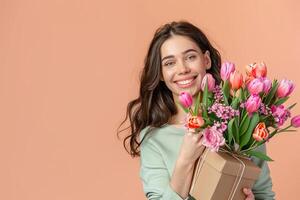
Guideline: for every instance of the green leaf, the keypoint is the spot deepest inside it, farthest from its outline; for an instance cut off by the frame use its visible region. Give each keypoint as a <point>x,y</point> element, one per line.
<point>242,95</point>
<point>205,96</point>
<point>230,130</point>
<point>281,101</point>
<point>234,103</point>
<point>246,94</point>
<point>226,91</point>
<point>204,111</point>
<point>210,99</point>
<point>259,155</point>
<point>247,136</point>
<point>244,124</point>
<point>236,130</point>
<point>196,110</point>
<point>272,92</point>
<point>290,131</point>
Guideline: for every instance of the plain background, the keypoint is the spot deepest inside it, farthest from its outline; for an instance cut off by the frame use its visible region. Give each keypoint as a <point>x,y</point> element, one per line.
<point>68,68</point>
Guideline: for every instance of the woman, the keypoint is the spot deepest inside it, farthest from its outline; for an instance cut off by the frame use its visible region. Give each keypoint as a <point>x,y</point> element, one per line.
<point>178,58</point>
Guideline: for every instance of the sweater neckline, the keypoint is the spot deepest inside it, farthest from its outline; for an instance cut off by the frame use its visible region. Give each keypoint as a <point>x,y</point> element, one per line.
<point>176,127</point>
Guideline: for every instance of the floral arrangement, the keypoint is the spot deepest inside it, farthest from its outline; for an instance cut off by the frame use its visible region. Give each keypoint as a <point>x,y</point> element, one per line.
<point>240,114</point>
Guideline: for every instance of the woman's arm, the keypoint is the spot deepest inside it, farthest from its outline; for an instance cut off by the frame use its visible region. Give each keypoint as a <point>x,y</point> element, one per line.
<point>157,183</point>
<point>182,178</point>
<point>154,175</point>
<point>262,188</point>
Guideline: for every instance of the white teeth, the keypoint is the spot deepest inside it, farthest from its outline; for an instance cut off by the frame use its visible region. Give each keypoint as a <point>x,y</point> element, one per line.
<point>185,81</point>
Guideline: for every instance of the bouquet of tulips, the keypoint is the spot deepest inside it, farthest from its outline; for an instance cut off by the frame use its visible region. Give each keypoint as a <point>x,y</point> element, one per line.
<point>240,114</point>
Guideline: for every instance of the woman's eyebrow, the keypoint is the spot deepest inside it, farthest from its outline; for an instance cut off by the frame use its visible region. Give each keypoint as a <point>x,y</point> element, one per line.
<point>186,51</point>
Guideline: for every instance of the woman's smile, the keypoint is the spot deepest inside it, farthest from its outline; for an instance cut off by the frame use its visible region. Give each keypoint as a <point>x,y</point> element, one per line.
<point>187,82</point>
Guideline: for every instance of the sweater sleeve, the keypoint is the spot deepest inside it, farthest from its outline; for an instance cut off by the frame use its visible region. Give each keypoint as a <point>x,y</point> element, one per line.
<point>262,188</point>
<point>154,174</point>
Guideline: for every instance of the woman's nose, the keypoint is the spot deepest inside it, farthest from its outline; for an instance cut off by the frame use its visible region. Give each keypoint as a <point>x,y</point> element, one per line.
<point>183,68</point>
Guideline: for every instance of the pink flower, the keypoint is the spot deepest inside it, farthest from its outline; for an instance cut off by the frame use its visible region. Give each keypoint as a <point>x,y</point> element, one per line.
<point>256,86</point>
<point>285,88</point>
<point>253,103</point>
<point>212,138</point>
<point>226,69</point>
<point>186,99</point>
<point>280,114</point>
<point>236,80</point>
<point>210,80</point>
<point>296,121</point>
<point>267,84</point>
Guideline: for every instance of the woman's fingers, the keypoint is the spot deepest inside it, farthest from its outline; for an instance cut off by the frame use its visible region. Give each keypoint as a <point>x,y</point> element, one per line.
<point>249,194</point>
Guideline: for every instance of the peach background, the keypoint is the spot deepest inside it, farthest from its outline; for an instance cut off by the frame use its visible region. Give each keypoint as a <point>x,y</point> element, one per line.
<point>69,67</point>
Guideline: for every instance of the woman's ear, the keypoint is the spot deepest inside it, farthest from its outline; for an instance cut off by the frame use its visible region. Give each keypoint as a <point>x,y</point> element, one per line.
<point>207,60</point>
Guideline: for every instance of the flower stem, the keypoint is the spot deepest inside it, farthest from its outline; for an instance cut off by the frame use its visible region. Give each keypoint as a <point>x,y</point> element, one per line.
<point>227,146</point>
<point>250,148</point>
<point>191,111</point>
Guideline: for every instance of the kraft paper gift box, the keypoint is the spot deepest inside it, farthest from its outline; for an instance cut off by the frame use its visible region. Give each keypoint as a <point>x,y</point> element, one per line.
<point>217,177</point>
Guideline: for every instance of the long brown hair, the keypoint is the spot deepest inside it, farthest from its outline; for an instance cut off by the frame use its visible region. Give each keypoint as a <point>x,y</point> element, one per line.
<point>155,105</point>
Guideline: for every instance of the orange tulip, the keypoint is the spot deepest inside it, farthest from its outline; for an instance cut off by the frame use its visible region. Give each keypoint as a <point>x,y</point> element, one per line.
<point>260,132</point>
<point>256,70</point>
<point>260,70</point>
<point>248,79</point>
<point>250,69</point>
<point>236,80</point>
<point>195,122</point>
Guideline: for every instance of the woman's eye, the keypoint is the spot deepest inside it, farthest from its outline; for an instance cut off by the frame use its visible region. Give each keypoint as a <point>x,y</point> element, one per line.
<point>169,63</point>
<point>191,57</point>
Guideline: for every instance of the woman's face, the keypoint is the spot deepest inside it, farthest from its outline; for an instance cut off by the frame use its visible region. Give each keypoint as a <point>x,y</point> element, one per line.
<point>183,65</point>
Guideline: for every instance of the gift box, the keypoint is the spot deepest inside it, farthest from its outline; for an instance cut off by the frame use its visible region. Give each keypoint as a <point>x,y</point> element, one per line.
<point>222,176</point>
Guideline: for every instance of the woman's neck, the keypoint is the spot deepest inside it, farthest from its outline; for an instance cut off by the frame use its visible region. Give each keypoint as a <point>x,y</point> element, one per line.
<point>179,118</point>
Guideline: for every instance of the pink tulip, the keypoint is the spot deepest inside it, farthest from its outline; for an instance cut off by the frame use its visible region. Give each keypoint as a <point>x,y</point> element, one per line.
<point>260,70</point>
<point>213,139</point>
<point>186,99</point>
<point>256,86</point>
<point>267,85</point>
<point>226,69</point>
<point>253,103</point>
<point>285,88</point>
<point>210,80</point>
<point>236,80</point>
<point>296,121</point>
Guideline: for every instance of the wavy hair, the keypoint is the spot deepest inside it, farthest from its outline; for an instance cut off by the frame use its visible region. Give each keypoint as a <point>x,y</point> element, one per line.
<point>155,105</point>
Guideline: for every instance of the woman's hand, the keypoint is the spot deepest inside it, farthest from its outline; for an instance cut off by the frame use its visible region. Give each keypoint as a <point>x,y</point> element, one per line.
<point>249,194</point>
<point>191,148</point>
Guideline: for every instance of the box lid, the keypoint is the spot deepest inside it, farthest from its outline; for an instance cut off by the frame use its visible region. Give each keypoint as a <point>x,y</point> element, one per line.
<point>226,163</point>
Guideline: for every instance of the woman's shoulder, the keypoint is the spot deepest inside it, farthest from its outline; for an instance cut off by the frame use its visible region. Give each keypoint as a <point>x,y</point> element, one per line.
<point>160,142</point>
<point>160,133</point>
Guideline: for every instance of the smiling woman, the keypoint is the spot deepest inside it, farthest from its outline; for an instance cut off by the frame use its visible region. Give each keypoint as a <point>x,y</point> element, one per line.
<point>178,58</point>
<point>184,65</point>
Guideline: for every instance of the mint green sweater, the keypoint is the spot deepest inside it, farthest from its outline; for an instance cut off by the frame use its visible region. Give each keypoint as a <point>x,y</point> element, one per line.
<point>159,152</point>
